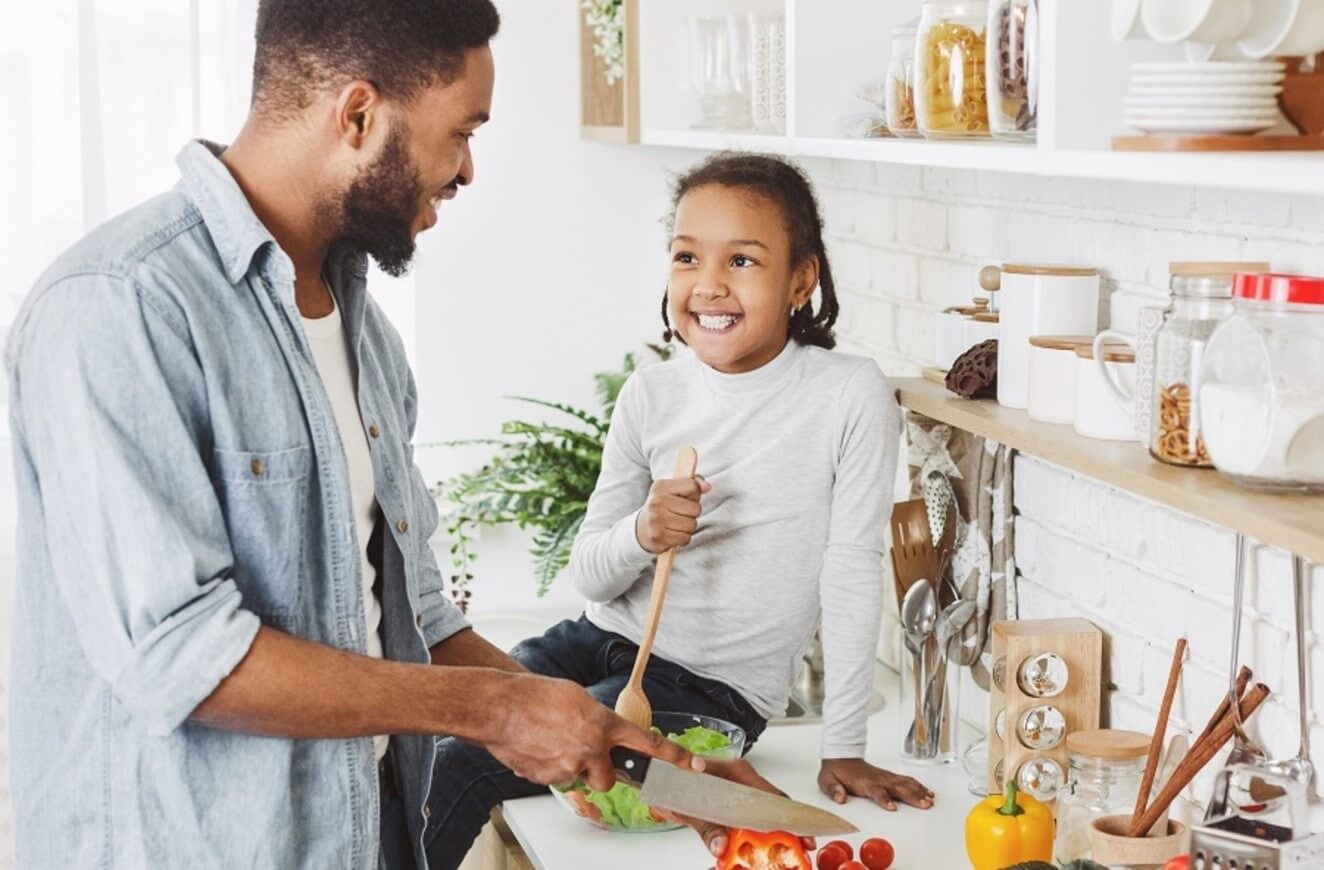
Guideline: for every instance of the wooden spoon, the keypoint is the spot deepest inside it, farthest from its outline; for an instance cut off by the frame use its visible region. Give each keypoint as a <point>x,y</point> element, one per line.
<point>632,704</point>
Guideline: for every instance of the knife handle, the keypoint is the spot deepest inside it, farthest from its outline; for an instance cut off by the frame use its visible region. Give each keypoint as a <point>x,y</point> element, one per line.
<point>630,765</point>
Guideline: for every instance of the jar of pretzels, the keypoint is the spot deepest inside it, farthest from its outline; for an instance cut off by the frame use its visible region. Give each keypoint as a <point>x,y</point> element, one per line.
<point>1201,300</point>
<point>951,91</point>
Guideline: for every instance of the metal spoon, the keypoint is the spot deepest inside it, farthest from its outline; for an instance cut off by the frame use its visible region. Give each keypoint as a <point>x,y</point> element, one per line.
<point>919,615</point>
<point>951,622</point>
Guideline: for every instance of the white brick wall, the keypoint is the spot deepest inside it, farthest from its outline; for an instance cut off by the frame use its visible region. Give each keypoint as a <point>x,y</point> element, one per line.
<point>906,243</point>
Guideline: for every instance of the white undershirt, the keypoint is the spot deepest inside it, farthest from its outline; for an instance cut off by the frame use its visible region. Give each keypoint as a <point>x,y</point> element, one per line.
<point>330,344</point>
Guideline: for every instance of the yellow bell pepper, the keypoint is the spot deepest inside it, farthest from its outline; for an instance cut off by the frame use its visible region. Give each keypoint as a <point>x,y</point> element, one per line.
<point>1005,830</point>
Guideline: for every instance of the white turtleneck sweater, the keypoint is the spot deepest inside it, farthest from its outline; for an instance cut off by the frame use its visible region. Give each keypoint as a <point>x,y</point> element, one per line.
<point>801,455</point>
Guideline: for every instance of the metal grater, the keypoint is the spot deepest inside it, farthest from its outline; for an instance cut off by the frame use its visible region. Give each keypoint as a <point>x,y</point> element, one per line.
<point>1216,849</point>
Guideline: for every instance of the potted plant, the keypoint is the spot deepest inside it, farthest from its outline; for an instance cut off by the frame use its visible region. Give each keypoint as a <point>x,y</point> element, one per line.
<point>540,477</point>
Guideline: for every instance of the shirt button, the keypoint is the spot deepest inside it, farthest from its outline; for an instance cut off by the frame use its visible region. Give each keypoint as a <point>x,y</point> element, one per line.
<point>418,620</point>
<point>402,526</point>
<point>427,811</point>
<point>374,431</point>
<point>258,467</point>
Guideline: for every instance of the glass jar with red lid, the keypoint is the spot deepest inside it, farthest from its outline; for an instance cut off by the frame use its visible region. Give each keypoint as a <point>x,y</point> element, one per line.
<point>1262,386</point>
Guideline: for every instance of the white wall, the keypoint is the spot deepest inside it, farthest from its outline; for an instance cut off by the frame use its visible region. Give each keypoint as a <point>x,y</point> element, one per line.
<point>548,269</point>
<point>908,242</point>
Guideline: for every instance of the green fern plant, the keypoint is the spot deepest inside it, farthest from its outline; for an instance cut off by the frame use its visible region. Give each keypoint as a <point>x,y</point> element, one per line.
<point>540,477</point>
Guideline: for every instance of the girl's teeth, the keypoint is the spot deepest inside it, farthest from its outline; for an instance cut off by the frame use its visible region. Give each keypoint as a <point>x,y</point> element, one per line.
<point>716,321</point>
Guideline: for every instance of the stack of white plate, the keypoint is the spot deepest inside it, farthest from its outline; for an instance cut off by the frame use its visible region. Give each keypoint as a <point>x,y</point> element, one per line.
<point>1207,97</point>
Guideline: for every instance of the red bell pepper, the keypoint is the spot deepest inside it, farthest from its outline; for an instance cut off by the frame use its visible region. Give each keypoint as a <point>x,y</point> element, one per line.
<point>754,850</point>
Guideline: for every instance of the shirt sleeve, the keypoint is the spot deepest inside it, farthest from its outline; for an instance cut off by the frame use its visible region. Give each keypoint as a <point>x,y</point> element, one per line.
<point>607,558</point>
<point>439,617</point>
<point>851,583</point>
<point>109,409</point>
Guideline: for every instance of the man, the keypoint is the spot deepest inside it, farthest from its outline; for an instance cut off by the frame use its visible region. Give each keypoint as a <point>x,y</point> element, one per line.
<point>225,594</point>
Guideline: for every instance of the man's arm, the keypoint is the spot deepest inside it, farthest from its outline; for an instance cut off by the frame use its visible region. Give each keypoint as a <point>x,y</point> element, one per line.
<point>543,729</point>
<point>467,648</point>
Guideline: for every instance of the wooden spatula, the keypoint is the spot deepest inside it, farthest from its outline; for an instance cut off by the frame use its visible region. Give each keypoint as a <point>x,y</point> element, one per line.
<point>632,704</point>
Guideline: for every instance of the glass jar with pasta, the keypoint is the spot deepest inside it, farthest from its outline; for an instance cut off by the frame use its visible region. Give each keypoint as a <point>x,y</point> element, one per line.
<point>951,92</point>
<point>901,82</point>
<point>1012,68</point>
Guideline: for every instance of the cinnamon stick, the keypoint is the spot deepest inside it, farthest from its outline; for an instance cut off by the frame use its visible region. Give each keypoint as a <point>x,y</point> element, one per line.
<point>1160,731</point>
<point>1243,680</point>
<point>1200,754</point>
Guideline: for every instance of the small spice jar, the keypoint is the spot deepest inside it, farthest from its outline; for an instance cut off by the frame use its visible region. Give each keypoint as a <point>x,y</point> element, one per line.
<point>1262,385</point>
<point>900,98</point>
<point>1104,770</point>
<point>1012,68</point>
<point>951,96</point>
<point>1201,300</point>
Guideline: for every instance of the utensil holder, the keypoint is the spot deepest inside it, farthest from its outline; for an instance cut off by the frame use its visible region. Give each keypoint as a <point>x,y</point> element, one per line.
<point>1067,651</point>
<point>1110,846</point>
<point>930,685</point>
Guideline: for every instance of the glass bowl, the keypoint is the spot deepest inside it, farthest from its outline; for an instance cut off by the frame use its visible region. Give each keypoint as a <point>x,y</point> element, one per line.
<point>620,809</point>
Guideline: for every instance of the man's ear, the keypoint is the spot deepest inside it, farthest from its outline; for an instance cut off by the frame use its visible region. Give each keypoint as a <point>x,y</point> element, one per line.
<point>359,109</point>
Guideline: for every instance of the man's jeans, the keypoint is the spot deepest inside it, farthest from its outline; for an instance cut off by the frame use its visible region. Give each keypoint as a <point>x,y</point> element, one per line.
<point>468,782</point>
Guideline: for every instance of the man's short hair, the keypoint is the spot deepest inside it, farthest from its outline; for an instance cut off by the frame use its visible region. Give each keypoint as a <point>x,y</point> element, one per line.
<point>401,46</point>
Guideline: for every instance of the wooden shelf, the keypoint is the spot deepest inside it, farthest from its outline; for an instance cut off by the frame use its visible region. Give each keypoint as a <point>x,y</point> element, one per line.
<point>1292,522</point>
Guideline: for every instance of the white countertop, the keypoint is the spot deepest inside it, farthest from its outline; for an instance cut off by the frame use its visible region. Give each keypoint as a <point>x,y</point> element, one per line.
<point>788,756</point>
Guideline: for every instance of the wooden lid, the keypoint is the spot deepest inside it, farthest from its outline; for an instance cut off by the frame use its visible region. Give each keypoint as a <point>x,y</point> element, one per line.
<point>1113,351</point>
<point>987,317</point>
<point>1060,342</point>
<point>1196,268</point>
<point>1108,743</point>
<point>1048,269</point>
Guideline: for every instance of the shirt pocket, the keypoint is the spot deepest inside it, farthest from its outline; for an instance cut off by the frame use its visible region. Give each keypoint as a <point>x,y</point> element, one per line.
<point>264,496</point>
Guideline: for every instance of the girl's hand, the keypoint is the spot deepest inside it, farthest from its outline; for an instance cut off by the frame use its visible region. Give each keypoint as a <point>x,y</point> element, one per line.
<point>839,777</point>
<point>671,514</point>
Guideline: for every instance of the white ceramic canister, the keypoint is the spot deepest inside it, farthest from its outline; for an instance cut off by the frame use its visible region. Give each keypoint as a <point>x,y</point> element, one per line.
<point>1052,396</point>
<point>1100,412</point>
<point>1040,300</point>
<point>980,328</point>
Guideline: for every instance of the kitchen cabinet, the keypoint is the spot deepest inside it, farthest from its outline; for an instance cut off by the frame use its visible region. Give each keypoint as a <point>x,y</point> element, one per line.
<point>787,755</point>
<point>834,46</point>
<point>1293,522</point>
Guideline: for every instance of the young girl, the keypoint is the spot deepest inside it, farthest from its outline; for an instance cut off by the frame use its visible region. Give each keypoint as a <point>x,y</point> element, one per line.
<point>797,451</point>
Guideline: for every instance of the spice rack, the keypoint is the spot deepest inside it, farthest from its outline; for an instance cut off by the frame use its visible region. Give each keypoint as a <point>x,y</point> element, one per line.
<point>1294,523</point>
<point>1047,673</point>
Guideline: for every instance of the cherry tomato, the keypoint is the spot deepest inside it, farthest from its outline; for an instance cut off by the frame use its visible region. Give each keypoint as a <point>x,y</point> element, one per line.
<point>853,865</point>
<point>876,853</point>
<point>832,857</point>
<point>1181,862</point>
<point>843,846</point>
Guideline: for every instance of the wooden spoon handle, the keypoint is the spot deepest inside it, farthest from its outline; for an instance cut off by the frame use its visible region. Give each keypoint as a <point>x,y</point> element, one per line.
<point>687,461</point>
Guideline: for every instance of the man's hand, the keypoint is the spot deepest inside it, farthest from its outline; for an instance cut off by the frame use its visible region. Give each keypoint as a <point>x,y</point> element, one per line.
<point>839,777</point>
<point>553,731</point>
<point>715,837</point>
<point>671,514</point>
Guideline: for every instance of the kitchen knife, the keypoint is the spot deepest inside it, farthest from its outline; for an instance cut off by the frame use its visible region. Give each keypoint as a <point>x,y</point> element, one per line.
<point>713,799</point>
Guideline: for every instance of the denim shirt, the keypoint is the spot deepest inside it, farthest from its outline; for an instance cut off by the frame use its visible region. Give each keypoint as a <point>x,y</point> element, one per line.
<point>181,480</point>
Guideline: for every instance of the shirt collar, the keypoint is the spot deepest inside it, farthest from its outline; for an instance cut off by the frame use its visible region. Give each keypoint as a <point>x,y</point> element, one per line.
<point>234,228</point>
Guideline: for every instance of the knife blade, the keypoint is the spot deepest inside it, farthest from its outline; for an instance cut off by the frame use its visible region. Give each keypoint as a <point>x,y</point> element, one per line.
<point>731,804</point>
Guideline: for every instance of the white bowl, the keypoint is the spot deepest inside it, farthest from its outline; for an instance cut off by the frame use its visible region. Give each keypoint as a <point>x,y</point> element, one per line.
<point>1210,126</point>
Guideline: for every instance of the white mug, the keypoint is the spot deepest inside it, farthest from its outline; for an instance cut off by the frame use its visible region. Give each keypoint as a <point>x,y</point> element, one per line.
<point>1126,23</point>
<point>1170,21</point>
<point>1284,28</point>
<point>1140,398</point>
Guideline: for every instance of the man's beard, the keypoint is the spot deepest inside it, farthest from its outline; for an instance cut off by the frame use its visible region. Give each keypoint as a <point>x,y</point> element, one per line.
<point>376,214</point>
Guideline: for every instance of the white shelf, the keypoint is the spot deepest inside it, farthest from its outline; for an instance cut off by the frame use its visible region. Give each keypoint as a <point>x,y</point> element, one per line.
<point>717,140</point>
<point>832,46</point>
